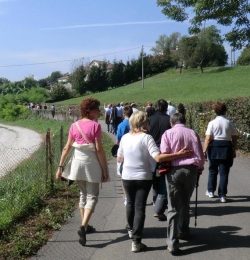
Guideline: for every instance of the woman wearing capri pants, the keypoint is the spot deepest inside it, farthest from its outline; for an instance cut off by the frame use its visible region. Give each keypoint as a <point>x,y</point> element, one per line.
<point>89,164</point>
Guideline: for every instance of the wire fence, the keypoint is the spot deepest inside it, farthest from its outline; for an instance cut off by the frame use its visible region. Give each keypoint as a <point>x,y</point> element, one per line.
<point>27,176</point>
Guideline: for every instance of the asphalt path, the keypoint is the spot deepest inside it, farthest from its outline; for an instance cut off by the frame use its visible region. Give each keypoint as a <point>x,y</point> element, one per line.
<point>16,144</point>
<point>222,230</point>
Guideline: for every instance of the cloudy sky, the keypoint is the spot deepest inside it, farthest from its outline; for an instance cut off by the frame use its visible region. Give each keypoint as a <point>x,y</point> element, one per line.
<point>42,36</point>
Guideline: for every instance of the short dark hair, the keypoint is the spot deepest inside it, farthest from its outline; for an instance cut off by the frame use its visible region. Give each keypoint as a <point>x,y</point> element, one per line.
<point>161,105</point>
<point>177,118</point>
<point>220,108</point>
<point>87,105</point>
<point>127,111</point>
<point>181,109</point>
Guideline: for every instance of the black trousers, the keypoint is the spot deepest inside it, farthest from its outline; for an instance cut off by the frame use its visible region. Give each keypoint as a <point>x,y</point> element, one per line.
<point>137,193</point>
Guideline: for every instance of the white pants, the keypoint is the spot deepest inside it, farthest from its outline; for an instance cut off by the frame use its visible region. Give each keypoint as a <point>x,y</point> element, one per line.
<point>89,192</point>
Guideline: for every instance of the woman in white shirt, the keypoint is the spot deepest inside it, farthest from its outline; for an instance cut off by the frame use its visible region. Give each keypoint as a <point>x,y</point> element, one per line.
<point>219,147</point>
<point>139,152</point>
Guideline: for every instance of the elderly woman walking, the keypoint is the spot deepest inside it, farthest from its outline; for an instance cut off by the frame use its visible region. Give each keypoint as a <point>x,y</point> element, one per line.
<point>219,147</point>
<point>89,165</point>
<point>138,152</point>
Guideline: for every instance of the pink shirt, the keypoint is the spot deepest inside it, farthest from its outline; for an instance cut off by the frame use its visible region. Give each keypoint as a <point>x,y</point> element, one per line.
<point>90,128</point>
<point>179,137</point>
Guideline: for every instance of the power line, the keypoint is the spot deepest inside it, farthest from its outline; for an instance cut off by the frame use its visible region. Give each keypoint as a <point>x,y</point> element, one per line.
<point>68,60</point>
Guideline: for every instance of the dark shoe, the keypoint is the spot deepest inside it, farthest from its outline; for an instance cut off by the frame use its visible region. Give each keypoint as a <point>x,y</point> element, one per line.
<point>90,229</point>
<point>184,236</point>
<point>70,182</point>
<point>161,217</point>
<point>176,252</point>
<point>82,235</point>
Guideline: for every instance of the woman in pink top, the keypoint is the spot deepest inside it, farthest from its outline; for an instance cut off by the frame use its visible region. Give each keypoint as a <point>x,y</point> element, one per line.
<point>89,164</point>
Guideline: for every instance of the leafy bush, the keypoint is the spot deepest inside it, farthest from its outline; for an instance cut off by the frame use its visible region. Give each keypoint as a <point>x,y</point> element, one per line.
<point>238,110</point>
<point>10,111</point>
<point>59,92</point>
<point>244,58</point>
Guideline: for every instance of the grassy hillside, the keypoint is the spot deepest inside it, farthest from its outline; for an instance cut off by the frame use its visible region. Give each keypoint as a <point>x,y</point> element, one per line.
<point>190,86</point>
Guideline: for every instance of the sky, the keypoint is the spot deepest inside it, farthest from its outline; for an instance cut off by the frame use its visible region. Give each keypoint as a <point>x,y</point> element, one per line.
<point>42,36</point>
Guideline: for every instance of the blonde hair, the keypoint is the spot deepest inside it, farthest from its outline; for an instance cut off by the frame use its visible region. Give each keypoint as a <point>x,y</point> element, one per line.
<point>138,121</point>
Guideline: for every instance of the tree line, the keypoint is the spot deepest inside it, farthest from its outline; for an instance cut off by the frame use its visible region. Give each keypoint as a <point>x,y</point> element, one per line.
<point>174,51</point>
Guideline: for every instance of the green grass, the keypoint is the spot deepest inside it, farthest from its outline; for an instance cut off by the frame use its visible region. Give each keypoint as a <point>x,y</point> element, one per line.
<point>190,86</point>
<point>30,211</point>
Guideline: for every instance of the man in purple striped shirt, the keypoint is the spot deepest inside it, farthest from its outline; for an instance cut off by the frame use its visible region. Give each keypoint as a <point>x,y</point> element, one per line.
<point>182,178</point>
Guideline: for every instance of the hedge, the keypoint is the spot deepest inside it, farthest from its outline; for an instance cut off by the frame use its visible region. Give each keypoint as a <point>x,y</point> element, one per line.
<point>238,111</point>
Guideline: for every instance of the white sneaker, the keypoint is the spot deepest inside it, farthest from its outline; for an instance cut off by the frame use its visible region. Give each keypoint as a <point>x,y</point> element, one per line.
<point>130,233</point>
<point>137,247</point>
<point>210,194</point>
<point>223,199</point>
<point>125,201</point>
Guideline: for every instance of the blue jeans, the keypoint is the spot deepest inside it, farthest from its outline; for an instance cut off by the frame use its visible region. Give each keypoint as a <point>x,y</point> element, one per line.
<point>222,167</point>
<point>136,193</point>
<point>159,194</point>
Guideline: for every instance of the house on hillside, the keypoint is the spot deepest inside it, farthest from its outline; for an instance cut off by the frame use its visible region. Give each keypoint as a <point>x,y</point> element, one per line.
<point>98,64</point>
<point>65,81</point>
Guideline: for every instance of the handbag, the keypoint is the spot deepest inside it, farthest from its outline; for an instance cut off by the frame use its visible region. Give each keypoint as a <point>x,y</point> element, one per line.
<point>114,150</point>
<point>163,168</point>
<point>66,169</point>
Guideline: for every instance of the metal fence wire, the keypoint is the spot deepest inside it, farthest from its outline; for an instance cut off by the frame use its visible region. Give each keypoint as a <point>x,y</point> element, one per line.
<point>36,164</point>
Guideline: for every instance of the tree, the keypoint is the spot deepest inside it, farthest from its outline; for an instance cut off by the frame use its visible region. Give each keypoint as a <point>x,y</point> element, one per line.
<point>43,83</point>
<point>98,78</point>
<point>116,76</point>
<point>54,76</point>
<point>244,58</point>
<point>78,81</point>
<point>3,80</point>
<point>59,92</point>
<point>165,44</point>
<point>224,12</point>
<point>203,49</point>
<point>29,83</point>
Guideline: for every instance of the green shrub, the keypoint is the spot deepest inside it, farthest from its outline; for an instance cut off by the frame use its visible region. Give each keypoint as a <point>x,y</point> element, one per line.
<point>238,110</point>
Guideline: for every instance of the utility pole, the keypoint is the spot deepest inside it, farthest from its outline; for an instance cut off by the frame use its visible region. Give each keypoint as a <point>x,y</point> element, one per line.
<point>142,67</point>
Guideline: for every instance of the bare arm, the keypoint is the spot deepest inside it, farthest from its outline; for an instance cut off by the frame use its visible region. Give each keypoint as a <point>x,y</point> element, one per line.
<point>165,157</point>
<point>102,159</point>
<point>64,155</point>
<point>208,139</point>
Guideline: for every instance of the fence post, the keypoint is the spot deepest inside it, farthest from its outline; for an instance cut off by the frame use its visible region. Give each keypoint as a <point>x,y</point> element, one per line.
<point>50,155</point>
<point>61,138</point>
<point>47,156</point>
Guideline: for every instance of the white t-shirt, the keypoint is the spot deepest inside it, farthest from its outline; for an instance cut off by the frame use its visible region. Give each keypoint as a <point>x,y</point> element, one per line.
<point>171,110</point>
<point>138,151</point>
<point>221,129</point>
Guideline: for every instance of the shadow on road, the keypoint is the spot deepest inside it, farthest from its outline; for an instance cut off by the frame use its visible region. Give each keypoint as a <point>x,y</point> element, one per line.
<point>215,238</point>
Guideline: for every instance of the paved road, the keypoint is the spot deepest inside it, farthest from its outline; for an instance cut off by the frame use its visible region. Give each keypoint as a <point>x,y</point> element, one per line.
<point>16,144</point>
<point>222,230</point>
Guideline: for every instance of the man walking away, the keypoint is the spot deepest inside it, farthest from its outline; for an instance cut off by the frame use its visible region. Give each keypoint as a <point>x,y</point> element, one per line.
<point>159,122</point>
<point>181,180</point>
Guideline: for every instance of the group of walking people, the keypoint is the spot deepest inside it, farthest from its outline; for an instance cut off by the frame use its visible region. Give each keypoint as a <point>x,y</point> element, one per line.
<point>145,143</point>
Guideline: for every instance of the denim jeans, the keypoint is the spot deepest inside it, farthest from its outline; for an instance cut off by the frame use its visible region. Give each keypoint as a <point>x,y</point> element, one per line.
<point>222,167</point>
<point>137,193</point>
<point>159,194</point>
